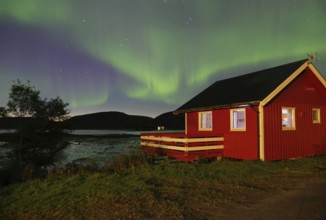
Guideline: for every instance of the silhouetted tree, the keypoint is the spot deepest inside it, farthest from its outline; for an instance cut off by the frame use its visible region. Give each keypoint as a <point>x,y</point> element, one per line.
<point>56,110</point>
<point>40,135</point>
<point>3,112</point>
<point>24,99</point>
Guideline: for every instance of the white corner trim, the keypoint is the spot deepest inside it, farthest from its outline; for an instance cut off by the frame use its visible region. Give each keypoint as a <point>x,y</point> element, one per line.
<point>186,123</point>
<point>317,74</point>
<point>261,133</point>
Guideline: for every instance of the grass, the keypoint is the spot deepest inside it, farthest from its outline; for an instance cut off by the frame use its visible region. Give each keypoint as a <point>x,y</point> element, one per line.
<point>135,188</point>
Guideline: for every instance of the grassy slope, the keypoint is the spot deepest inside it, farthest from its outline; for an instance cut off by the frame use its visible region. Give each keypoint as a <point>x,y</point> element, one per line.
<point>148,191</point>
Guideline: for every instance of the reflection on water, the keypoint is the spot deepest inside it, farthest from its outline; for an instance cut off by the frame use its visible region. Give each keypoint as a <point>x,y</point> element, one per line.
<point>82,147</point>
<point>5,131</point>
<point>4,151</point>
<point>104,132</point>
<point>101,149</point>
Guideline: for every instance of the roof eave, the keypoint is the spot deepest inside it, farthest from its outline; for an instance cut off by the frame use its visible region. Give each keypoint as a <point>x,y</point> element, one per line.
<point>226,106</point>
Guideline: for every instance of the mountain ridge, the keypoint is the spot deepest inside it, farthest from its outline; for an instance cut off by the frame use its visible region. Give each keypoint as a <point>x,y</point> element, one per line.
<point>121,120</point>
<point>108,121</point>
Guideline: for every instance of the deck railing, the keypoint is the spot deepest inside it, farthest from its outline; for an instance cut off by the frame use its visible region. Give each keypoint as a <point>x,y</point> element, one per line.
<point>179,141</point>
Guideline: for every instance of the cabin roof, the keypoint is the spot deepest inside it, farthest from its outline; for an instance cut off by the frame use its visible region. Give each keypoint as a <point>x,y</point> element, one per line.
<point>244,89</point>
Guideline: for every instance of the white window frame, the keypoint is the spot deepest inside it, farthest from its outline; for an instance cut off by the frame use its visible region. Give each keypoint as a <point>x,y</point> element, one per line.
<point>234,124</point>
<point>317,120</point>
<point>204,123</point>
<point>289,119</point>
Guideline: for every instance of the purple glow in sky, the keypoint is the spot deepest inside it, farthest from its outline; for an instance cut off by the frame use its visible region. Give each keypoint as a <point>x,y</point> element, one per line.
<point>147,57</point>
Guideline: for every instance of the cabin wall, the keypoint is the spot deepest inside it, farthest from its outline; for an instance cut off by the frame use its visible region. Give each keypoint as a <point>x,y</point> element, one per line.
<point>237,144</point>
<point>308,138</point>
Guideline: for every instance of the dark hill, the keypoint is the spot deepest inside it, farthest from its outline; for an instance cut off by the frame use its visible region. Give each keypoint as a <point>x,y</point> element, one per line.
<point>18,122</point>
<point>171,121</point>
<point>110,120</point>
<point>122,121</point>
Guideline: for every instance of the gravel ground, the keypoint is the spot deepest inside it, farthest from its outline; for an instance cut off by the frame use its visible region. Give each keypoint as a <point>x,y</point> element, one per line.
<point>307,200</point>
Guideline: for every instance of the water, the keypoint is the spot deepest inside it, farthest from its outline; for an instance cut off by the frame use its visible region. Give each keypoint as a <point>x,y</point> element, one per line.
<point>104,132</point>
<point>4,151</point>
<point>82,147</point>
<point>4,131</point>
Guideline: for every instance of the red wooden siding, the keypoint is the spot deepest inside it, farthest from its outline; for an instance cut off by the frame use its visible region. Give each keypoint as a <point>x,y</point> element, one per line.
<point>243,144</point>
<point>237,144</point>
<point>308,139</point>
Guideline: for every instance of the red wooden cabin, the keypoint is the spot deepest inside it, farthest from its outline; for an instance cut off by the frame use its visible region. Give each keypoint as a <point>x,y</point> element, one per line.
<point>273,114</point>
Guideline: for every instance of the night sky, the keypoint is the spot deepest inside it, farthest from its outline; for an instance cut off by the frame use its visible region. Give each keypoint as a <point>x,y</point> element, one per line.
<point>147,57</point>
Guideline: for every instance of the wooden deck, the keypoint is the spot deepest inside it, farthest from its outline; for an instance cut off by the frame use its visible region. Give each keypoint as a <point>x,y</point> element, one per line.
<point>180,146</point>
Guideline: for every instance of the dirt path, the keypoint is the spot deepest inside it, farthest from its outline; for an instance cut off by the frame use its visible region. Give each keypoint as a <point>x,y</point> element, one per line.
<point>306,201</point>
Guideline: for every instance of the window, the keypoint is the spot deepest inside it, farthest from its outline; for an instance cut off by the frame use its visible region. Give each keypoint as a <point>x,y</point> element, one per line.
<point>238,119</point>
<point>316,115</point>
<point>288,118</point>
<point>205,121</point>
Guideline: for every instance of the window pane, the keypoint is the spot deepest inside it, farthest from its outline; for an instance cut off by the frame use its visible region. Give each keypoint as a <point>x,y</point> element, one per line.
<point>205,120</point>
<point>316,116</point>
<point>285,117</point>
<point>288,118</point>
<point>235,119</point>
<point>239,118</point>
<point>209,120</point>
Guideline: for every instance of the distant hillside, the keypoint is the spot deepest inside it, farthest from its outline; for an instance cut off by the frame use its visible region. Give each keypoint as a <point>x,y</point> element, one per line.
<point>119,120</point>
<point>17,122</point>
<point>171,121</point>
<point>108,120</point>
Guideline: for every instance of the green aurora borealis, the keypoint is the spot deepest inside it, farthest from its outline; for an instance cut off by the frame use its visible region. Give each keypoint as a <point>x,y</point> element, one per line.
<point>149,56</point>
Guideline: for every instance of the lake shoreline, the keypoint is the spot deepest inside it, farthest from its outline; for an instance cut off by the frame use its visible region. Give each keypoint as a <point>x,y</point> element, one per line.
<point>102,135</point>
<point>10,135</point>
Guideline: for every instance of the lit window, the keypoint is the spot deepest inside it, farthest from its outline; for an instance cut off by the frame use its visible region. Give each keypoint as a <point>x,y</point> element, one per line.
<point>316,115</point>
<point>288,118</point>
<point>205,121</point>
<point>238,119</point>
